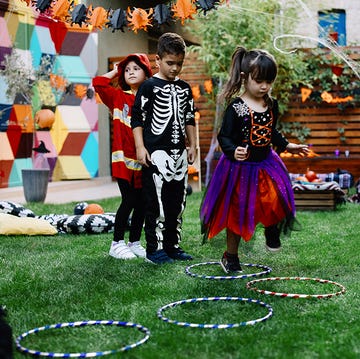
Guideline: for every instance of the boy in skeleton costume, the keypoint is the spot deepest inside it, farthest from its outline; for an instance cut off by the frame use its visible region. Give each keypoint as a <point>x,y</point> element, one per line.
<point>162,115</point>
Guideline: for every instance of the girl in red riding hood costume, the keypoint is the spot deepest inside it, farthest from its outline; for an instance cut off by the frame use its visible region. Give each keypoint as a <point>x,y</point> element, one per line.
<point>130,73</point>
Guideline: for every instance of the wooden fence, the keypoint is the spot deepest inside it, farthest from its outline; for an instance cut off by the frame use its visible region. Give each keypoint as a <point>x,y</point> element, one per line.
<point>331,128</point>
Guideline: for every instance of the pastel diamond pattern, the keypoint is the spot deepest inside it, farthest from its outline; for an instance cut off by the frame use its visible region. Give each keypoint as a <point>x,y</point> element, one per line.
<point>73,138</point>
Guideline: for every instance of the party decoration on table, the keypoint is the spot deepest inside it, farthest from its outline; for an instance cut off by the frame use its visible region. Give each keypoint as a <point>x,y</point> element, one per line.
<point>82,324</point>
<point>214,326</point>
<point>188,271</point>
<point>249,285</point>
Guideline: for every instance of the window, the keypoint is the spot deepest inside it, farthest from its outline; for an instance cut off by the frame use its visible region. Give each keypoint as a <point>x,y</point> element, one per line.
<point>333,22</point>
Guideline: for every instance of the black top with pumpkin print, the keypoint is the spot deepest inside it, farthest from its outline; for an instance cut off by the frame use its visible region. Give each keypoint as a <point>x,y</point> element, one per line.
<point>242,126</point>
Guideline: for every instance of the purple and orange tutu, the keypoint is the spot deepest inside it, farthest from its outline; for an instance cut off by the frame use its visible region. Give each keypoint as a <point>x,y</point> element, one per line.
<point>242,194</point>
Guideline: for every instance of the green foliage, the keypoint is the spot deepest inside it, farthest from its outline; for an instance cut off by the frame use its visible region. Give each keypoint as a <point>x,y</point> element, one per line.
<point>252,24</point>
<point>34,84</point>
<point>295,129</point>
<point>48,280</point>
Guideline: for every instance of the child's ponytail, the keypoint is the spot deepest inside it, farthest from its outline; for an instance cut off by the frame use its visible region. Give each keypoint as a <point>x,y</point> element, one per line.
<point>233,85</point>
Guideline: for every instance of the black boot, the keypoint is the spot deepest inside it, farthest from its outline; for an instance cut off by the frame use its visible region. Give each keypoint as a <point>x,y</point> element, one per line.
<point>272,235</point>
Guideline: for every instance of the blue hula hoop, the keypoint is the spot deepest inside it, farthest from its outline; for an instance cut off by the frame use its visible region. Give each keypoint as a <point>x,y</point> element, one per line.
<point>214,326</point>
<point>82,324</point>
<point>265,271</point>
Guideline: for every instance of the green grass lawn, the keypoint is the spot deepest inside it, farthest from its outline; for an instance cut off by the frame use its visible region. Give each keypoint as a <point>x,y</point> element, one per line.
<point>65,278</point>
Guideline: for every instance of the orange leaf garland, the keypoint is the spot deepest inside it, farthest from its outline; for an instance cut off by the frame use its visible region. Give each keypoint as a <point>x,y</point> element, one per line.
<point>208,85</point>
<point>139,19</point>
<point>196,92</point>
<point>58,82</point>
<point>60,10</point>
<point>184,9</point>
<point>305,93</point>
<point>80,91</point>
<point>98,17</point>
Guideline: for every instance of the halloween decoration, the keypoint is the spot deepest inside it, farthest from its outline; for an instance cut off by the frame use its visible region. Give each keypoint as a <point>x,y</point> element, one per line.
<point>117,20</point>
<point>196,92</point>
<point>41,148</point>
<point>79,14</point>
<point>45,118</point>
<point>184,9</point>
<point>90,93</point>
<point>162,14</point>
<point>80,91</point>
<point>93,208</point>
<point>208,86</point>
<point>160,11</point>
<point>43,5</point>
<point>60,10</point>
<point>98,17</point>
<point>139,19</point>
<point>206,5</point>
<point>311,175</point>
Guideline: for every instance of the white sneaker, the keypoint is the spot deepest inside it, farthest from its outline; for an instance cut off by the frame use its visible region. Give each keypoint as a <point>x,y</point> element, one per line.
<point>120,250</point>
<point>137,249</point>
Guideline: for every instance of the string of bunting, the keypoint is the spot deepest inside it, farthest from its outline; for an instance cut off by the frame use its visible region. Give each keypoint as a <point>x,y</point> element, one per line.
<point>134,18</point>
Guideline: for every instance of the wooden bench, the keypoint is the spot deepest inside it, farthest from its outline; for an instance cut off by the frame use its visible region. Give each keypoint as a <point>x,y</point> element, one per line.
<point>315,200</point>
<point>323,196</point>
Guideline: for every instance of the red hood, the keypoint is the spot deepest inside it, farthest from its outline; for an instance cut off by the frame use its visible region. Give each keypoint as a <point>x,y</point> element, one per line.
<point>141,59</point>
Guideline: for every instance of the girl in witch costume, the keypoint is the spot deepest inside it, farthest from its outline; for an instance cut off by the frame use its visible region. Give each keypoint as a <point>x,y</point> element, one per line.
<point>250,184</point>
<point>131,73</point>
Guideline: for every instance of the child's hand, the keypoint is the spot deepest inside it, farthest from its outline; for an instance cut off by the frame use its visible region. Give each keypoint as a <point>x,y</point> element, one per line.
<point>302,150</point>
<point>191,154</point>
<point>240,153</point>
<point>143,156</point>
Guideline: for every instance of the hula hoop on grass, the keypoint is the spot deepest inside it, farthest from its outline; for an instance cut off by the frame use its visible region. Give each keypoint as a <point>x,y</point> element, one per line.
<point>82,324</point>
<point>293,295</point>
<point>228,277</point>
<point>215,299</point>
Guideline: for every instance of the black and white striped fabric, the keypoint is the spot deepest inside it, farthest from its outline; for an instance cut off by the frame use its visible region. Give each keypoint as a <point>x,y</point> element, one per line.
<point>86,223</point>
<point>15,209</point>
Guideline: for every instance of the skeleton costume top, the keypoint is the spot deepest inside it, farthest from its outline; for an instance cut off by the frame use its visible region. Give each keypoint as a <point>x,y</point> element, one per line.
<point>163,108</point>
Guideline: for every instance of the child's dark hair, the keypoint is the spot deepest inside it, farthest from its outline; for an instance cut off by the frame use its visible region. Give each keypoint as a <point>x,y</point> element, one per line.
<point>170,43</point>
<point>260,64</point>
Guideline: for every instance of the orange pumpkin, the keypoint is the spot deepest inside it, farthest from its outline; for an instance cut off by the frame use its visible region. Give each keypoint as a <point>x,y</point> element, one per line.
<point>45,118</point>
<point>311,175</point>
<point>93,208</point>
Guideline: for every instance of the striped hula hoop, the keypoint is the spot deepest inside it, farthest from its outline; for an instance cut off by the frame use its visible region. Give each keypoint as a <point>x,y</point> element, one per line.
<point>249,285</point>
<point>228,277</point>
<point>215,299</point>
<point>82,324</point>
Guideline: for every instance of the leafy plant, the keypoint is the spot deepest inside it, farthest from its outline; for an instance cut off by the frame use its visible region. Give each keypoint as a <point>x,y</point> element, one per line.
<point>27,84</point>
<point>223,30</point>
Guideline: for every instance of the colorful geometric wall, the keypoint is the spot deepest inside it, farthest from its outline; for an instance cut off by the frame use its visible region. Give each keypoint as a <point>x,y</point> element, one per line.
<point>73,139</point>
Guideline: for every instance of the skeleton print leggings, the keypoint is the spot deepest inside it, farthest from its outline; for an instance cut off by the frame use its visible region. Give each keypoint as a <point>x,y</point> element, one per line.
<point>164,190</point>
